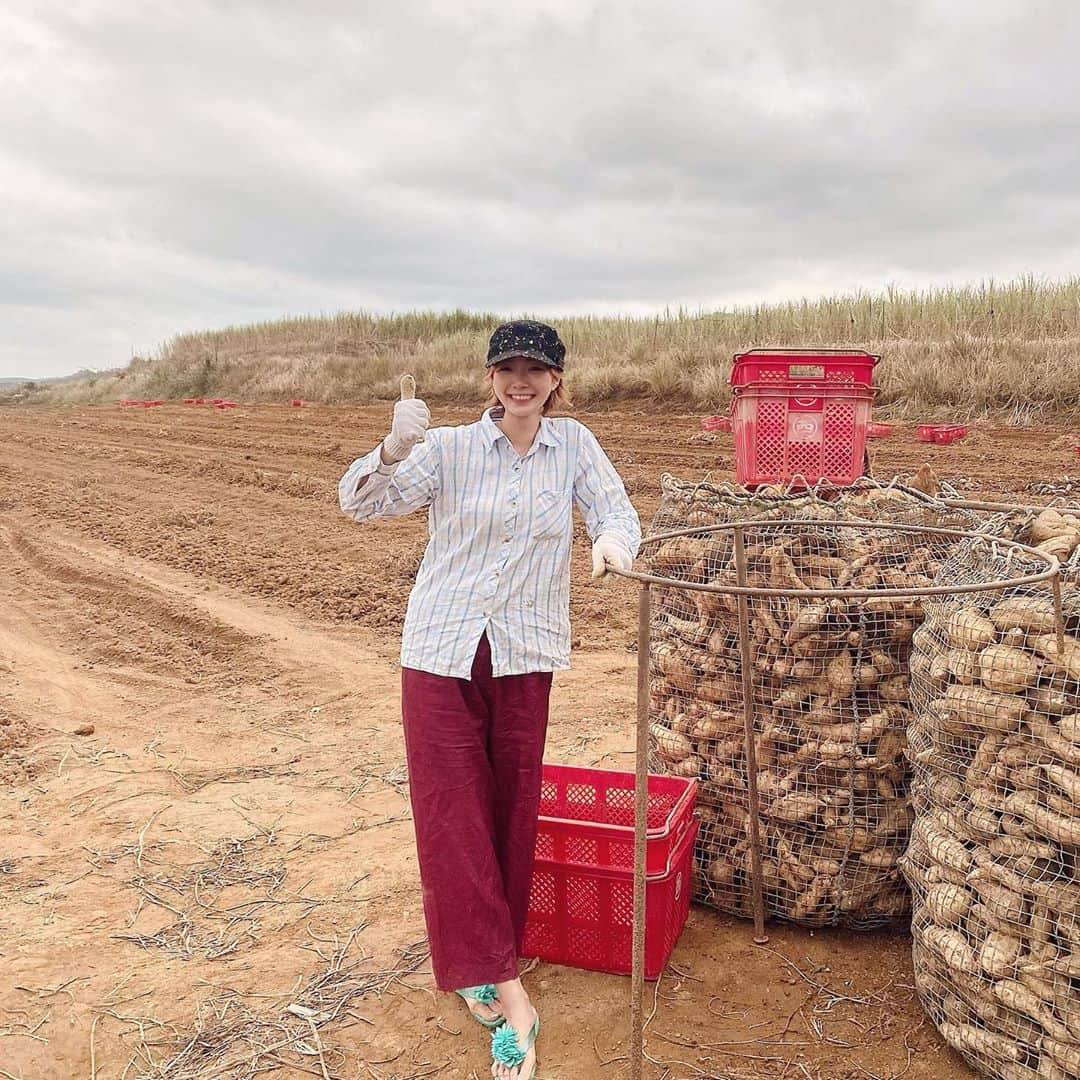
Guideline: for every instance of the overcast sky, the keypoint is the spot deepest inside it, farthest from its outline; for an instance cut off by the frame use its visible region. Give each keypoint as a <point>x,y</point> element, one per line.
<point>175,166</point>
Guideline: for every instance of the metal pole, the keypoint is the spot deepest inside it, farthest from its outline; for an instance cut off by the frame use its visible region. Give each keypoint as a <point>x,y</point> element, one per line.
<point>641,812</point>
<point>1059,615</point>
<point>757,894</point>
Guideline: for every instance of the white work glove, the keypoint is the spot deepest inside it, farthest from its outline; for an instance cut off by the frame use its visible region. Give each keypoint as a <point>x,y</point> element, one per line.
<point>411,419</point>
<point>609,548</point>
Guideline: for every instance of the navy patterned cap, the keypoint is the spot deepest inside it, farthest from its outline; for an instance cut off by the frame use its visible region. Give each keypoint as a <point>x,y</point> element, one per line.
<point>523,337</point>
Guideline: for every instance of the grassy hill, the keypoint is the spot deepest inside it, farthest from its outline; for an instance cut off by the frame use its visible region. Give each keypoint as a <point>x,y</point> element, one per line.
<point>995,349</point>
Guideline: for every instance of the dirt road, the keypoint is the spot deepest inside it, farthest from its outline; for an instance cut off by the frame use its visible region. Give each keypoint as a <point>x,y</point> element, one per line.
<point>206,861</point>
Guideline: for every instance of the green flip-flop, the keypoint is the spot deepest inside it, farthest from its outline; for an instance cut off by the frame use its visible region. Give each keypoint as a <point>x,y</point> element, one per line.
<point>506,1050</point>
<point>485,995</point>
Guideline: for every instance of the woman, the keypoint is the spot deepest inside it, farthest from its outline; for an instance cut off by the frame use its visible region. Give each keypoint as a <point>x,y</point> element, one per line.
<point>487,623</point>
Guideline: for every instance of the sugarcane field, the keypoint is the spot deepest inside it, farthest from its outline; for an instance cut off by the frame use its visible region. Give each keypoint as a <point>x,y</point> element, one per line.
<point>207,864</point>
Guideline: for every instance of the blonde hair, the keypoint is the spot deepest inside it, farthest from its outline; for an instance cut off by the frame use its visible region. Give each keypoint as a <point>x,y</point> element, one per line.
<point>559,398</point>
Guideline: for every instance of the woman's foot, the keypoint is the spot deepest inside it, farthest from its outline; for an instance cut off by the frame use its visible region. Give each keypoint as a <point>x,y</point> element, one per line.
<point>483,1004</point>
<point>521,1016</point>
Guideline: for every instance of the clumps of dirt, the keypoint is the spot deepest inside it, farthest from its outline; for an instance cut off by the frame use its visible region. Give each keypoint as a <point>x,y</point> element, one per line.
<point>376,602</point>
<point>16,736</point>
<point>1064,442</point>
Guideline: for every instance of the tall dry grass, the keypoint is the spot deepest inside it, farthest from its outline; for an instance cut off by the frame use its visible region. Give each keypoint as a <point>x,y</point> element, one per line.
<point>986,350</point>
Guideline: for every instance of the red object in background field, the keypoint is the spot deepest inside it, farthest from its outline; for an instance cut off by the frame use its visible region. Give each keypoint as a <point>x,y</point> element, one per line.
<point>716,423</point>
<point>942,434</point>
<point>297,403</point>
<point>582,900</point>
<point>879,431</point>
<point>224,404</point>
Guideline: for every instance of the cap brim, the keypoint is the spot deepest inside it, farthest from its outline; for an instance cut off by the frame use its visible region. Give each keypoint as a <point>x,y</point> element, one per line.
<point>528,354</point>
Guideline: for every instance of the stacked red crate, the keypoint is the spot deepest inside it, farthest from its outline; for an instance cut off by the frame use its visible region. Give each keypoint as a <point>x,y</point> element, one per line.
<point>582,901</point>
<point>799,414</point>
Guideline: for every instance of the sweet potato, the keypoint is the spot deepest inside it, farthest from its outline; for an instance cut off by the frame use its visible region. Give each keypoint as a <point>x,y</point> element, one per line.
<point>670,745</point>
<point>968,628</point>
<point>948,904</point>
<point>1048,524</point>
<point>1001,902</point>
<point>1050,736</point>
<point>1061,547</point>
<point>1065,830</point>
<point>840,675</point>
<point>808,620</point>
<point>1066,1054</point>
<point>1067,660</point>
<point>985,1044</point>
<point>1016,996</point>
<point>1065,779</point>
<point>963,665</point>
<point>676,558</point>
<point>795,808</point>
<point>1007,670</point>
<point>1032,614</point>
<point>980,708</point>
<point>952,947</point>
<point>1000,953</point>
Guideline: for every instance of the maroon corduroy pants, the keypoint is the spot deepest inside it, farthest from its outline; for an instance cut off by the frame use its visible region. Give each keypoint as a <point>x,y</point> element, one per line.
<point>475,750</point>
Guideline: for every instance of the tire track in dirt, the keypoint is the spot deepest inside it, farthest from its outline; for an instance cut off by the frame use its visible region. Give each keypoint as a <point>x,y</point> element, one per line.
<point>120,624</point>
<point>266,542</point>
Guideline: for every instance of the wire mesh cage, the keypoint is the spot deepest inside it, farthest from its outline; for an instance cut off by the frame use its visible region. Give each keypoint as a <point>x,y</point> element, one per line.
<point>992,863</point>
<point>830,702</point>
<point>800,631</point>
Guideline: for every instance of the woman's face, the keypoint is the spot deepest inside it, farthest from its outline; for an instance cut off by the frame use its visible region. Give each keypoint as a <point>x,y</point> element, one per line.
<point>523,385</point>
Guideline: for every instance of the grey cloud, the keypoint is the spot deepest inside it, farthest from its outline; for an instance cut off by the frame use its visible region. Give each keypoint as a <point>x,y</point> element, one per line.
<point>170,166</point>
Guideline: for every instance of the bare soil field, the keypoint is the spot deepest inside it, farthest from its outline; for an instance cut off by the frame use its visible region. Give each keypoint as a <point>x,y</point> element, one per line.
<point>206,855</point>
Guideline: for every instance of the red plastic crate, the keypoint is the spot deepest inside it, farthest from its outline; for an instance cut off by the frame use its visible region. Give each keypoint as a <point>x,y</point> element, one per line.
<point>585,917</point>
<point>716,423</point>
<point>825,367</point>
<point>587,818</point>
<point>879,431</point>
<point>785,430</point>
<point>950,434</point>
<point>942,433</point>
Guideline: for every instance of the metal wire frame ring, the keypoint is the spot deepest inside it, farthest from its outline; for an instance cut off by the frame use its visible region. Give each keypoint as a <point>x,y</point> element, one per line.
<point>1053,566</point>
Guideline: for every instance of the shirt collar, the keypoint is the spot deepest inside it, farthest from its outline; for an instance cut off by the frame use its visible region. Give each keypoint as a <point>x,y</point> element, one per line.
<point>548,435</point>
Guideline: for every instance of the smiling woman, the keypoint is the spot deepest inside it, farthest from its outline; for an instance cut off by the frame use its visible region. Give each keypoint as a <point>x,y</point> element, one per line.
<point>487,624</point>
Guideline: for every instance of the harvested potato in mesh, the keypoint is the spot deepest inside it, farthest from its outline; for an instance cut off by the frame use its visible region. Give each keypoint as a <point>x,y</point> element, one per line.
<point>995,852</point>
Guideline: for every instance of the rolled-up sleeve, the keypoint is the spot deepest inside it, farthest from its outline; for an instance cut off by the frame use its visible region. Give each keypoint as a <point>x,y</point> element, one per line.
<point>412,485</point>
<point>601,495</point>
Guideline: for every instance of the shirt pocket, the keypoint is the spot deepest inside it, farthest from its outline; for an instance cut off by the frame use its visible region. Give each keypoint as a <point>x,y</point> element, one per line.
<point>551,514</point>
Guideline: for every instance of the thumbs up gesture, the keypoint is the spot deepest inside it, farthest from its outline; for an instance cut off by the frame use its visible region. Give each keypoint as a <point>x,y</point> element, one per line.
<point>411,421</point>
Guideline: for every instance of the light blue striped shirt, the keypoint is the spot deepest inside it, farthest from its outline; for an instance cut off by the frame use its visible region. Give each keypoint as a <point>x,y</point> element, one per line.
<point>498,558</point>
